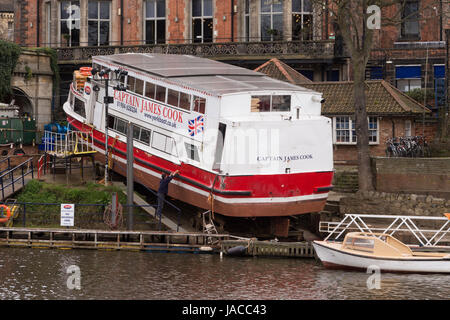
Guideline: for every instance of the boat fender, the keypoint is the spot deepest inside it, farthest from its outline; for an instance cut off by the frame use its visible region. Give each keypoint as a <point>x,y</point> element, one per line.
<point>237,251</point>
<point>8,213</point>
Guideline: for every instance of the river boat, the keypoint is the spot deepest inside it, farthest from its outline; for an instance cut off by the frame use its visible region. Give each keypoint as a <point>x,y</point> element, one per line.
<point>245,145</point>
<point>362,251</point>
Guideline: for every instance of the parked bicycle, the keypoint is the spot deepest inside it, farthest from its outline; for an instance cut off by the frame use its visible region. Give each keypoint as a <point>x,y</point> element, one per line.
<point>415,146</point>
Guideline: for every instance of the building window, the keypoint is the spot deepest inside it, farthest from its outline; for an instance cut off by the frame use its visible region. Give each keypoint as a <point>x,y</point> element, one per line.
<point>408,77</point>
<point>302,20</point>
<point>439,85</point>
<point>98,23</point>
<point>202,20</point>
<point>408,130</point>
<point>376,73</point>
<point>69,23</point>
<point>155,21</point>
<point>345,133</point>
<point>48,13</point>
<point>332,75</point>
<point>410,17</point>
<point>247,20</point>
<point>271,20</point>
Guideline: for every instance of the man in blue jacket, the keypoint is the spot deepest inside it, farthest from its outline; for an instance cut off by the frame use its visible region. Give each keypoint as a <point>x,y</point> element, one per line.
<point>162,191</point>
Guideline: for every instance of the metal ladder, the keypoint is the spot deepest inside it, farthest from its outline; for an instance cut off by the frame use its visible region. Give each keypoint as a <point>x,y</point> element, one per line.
<point>208,225</point>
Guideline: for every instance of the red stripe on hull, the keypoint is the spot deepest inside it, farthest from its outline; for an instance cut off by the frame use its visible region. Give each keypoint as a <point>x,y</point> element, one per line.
<point>256,186</point>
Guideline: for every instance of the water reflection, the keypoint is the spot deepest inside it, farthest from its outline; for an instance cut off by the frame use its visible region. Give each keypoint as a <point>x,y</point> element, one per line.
<point>41,274</point>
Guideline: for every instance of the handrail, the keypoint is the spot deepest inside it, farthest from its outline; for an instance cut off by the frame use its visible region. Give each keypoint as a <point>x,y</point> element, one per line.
<point>21,177</point>
<point>356,221</point>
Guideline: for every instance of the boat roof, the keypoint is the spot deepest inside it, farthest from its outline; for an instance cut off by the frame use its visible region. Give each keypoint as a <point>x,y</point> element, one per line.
<point>216,78</point>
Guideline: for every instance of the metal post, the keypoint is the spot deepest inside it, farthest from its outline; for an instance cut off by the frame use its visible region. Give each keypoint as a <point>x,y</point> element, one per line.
<point>130,177</point>
<point>24,218</point>
<point>106,100</point>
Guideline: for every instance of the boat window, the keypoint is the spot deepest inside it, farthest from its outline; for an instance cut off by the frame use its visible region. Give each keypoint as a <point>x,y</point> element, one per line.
<point>173,97</point>
<point>199,104</point>
<point>78,107</point>
<point>164,143</point>
<point>121,126</point>
<point>364,243</point>
<point>111,120</point>
<point>260,104</point>
<point>145,136</point>
<point>185,101</point>
<point>268,103</point>
<point>281,103</point>
<point>160,94</point>
<point>130,83</point>
<point>139,87</point>
<point>136,132</point>
<point>349,241</point>
<point>150,90</point>
<point>141,134</point>
<point>192,151</point>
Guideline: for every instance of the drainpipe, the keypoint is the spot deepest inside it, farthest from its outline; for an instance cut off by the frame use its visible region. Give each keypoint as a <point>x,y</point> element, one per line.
<point>440,21</point>
<point>232,20</point>
<point>121,22</point>
<point>38,23</point>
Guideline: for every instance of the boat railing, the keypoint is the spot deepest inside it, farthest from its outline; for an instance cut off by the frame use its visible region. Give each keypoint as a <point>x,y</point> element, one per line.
<point>390,224</point>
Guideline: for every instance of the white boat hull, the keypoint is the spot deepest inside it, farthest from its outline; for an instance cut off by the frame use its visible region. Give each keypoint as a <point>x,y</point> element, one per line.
<point>333,258</point>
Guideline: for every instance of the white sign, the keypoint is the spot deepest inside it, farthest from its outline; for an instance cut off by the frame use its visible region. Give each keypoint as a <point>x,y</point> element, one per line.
<point>67,215</point>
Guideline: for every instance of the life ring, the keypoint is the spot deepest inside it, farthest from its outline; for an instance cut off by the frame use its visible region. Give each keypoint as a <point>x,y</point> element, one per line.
<point>86,71</point>
<point>8,213</point>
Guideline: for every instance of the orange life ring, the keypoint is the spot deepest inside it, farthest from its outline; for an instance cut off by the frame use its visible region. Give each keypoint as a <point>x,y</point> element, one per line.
<point>8,213</point>
<point>86,71</point>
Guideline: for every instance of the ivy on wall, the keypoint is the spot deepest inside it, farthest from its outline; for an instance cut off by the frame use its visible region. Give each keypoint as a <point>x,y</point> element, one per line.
<point>53,65</point>
<point>9,54</point>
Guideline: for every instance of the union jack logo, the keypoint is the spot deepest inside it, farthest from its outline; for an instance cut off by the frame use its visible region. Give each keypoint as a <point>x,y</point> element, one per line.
<point>195,125</point>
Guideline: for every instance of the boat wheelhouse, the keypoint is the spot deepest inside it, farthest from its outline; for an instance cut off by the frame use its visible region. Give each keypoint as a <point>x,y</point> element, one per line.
<point>246,145</point>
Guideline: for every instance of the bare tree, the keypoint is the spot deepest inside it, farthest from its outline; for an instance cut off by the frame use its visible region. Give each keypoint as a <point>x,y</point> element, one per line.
<point>357,24</point>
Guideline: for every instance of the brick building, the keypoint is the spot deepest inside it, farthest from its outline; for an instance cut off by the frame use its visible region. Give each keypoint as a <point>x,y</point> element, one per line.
<point>7,20</point>
<point>410,54</point>
<point>390,112</point>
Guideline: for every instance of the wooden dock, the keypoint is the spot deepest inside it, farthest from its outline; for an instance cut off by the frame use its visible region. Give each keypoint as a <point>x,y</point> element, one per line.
<point>150,241</point>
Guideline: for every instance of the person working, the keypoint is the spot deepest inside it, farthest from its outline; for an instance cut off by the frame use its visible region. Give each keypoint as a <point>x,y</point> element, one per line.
<point>162,191</point>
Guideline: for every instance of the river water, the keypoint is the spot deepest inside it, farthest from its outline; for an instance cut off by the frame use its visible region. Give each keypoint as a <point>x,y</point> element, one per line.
<point>30,274</point>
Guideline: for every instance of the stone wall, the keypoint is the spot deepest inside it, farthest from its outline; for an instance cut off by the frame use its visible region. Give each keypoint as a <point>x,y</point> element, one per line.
<point>382,203</point>
<point>429,176</point>
<point>33,76</point>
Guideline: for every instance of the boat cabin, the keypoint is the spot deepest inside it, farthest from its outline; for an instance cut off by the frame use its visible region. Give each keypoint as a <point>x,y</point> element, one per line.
<point>214,116</point>
<point>375,243</point>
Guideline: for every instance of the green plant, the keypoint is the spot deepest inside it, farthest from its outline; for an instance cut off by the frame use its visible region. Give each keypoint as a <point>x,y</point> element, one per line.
<point>419,94</point>
<point>28,73</point>
<point>9,53</point>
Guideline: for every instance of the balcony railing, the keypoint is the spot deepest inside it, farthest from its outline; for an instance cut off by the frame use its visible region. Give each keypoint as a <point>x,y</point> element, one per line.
<point>323,49</point>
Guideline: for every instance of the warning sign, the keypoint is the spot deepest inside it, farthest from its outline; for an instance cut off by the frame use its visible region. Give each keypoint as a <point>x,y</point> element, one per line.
<point>67,215</point>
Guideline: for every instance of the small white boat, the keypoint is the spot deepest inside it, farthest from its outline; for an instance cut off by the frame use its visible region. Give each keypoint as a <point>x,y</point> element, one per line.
<point>361,250</point>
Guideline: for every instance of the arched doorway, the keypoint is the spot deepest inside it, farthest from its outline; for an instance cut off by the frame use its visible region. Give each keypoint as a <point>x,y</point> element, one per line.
<point>23,101</point>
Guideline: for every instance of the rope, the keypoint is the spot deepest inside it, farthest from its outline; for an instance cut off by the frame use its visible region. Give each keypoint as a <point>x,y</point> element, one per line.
<point>119,217</point>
